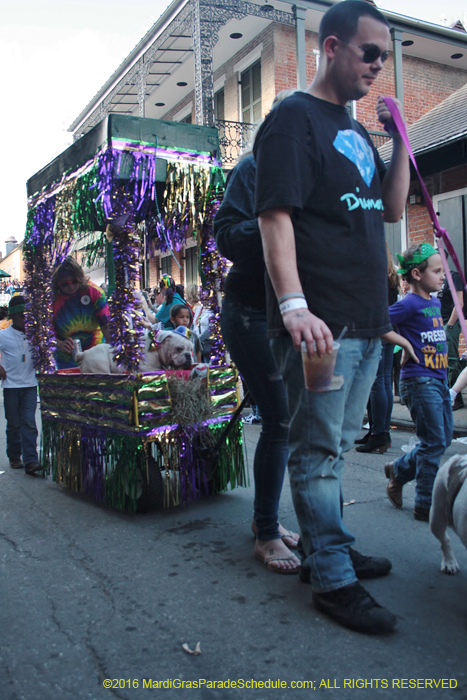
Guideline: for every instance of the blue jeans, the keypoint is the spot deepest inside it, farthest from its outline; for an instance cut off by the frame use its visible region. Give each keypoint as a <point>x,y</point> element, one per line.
<point>21,430</point>
<point>323,427</point>
<point>430,407</point>
<point>244,330</point>
<point>381,397</point>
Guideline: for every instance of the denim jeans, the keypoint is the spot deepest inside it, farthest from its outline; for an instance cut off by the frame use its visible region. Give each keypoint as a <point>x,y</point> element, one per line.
<point>323,427</point>
<point>21,430</point>
<point>381,397</point>
<point>244,330</point>
<point>454,365</point>
<point>430,407</point>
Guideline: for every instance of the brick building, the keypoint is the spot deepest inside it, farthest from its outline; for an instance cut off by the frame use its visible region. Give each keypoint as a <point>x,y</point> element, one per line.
<point>222,63</point>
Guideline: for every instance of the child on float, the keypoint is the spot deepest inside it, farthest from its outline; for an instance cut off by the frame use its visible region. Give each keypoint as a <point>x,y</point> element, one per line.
<point>19,391</point>
<point>423,385</point>
<point>173,295</point>
<point>181,315</point>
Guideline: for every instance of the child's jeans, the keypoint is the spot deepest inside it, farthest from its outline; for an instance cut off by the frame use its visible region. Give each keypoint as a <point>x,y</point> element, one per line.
<point>430,407</point>
<point>21,430</point>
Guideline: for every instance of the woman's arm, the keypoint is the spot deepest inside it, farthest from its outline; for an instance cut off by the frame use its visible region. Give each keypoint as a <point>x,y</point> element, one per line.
<point>396,339</point>
<point>235,225</point>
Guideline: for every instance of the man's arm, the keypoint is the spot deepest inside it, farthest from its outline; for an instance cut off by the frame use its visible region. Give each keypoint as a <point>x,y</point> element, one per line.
<point>281,263</point>
<point>396,181</point>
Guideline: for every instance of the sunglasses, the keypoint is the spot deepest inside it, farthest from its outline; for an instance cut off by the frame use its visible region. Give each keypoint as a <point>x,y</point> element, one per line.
<point>67,283</point>
<point>370,53</point>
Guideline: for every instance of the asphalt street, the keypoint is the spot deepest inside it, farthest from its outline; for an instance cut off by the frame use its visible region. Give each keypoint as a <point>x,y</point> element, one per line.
<point>91,596</point>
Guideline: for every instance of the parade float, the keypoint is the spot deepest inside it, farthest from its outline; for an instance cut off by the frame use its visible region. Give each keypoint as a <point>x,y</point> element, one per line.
<point>131,185</point>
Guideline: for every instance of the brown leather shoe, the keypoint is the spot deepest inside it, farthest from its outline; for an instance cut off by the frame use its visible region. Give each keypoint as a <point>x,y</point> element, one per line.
<point>394,487</point>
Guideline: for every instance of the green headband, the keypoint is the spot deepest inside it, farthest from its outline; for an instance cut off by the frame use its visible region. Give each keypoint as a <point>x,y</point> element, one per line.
<point>425,252</point>
<point>16,309</point>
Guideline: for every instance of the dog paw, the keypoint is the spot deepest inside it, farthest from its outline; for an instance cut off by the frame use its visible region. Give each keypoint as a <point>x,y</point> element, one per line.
<point>450,566</point>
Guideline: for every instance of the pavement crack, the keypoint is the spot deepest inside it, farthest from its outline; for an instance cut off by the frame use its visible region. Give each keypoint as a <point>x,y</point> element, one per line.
<point>13,544</point>
<point>102,672</point>
<point>56,620</point>
<point>85,562</point>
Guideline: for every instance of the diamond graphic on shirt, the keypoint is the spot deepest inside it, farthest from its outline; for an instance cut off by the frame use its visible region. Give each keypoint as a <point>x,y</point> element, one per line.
<point>358,151</point>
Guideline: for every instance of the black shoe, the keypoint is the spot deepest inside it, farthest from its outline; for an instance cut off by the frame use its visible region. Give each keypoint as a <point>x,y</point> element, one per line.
<point>353,607</point>
<point>369,567</point>
<point>458,403</point>
<point>375,443</point>
<point>32,468</point>
<point>422,514</point>
<point>364,439</point>
<point>16,463</point>
<point>364,567</point>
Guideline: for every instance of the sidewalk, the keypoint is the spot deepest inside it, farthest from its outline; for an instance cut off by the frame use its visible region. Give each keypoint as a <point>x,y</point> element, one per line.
<point>401,418</point>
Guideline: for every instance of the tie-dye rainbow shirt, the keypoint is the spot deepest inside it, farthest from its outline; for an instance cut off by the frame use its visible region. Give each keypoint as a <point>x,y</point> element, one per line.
<point>80,316</point>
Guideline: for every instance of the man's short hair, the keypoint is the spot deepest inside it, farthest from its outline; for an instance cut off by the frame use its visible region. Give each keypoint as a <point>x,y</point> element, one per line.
<point>341,20</point>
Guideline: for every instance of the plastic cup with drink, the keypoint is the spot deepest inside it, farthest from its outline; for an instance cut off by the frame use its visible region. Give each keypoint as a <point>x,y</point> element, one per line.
<point>319,371</point>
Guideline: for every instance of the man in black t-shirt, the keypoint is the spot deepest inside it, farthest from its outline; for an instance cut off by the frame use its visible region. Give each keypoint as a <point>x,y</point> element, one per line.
<point>453,330</point>
<point>321,192</point>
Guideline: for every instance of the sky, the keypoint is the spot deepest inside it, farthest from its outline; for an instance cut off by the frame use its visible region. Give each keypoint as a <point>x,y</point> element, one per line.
<point>56,54</point>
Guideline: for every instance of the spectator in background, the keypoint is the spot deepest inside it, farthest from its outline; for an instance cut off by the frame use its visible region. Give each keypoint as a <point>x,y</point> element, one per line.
<point>381,400</point>
<point>201,321</point>
<point>453,330</point>
<point>19,391</point>
<point>5,321</point>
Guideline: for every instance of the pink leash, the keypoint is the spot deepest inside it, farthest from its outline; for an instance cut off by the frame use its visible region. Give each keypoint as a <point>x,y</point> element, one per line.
<point>440,232</point>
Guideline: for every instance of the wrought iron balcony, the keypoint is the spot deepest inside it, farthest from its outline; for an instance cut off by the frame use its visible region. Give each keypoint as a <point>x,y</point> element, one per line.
<point>234,138</point>
<point>379,138</point>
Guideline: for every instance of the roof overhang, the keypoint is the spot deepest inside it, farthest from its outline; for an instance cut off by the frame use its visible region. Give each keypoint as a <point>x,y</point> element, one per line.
<point>166,52</point>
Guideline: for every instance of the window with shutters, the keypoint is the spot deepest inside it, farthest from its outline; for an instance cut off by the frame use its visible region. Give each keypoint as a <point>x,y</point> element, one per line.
<point>451,208</point>
<point>351,108</point>
<point>251,94</point>
<point>166,265</point>
<point>219,105</point>
<point>191,265</point>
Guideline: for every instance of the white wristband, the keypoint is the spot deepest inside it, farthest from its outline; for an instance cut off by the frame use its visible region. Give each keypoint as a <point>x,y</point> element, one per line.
<point>292,304</point>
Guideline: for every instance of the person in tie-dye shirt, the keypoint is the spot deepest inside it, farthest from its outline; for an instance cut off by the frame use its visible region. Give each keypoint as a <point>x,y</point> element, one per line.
<point>80,311</point>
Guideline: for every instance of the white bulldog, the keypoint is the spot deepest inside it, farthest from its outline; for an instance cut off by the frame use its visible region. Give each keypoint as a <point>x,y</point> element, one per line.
<point>449,507</point>
<point>173,351</point>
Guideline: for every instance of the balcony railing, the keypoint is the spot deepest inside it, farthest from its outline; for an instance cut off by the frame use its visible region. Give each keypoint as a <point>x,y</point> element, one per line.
<point>379,138</point>
<point>235,137</point>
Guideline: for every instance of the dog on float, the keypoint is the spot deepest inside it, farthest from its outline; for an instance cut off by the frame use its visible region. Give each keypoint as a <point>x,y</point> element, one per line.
<point>163,350</point>
<point>449,507</point>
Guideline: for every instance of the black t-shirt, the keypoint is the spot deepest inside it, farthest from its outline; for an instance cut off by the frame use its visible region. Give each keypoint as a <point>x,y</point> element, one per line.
<point>238,237</point>
<point>445,296</point>
<point>313,157</point>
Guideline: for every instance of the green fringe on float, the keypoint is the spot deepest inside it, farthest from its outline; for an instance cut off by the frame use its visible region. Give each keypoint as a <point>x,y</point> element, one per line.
<point>137,475</point>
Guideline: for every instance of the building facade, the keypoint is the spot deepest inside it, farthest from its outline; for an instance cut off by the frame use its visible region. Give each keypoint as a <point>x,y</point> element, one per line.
<point>223,62</point>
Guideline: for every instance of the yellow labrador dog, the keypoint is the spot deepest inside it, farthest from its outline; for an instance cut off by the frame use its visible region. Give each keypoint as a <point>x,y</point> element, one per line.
<point>174,351</point>
<point>449,507</point>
